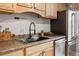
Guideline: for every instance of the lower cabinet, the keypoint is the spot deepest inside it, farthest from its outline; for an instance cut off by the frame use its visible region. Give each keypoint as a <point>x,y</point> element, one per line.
<point>45,49</point>
<point>37,54</point>
<point>45,52</point>
<point>48,52</point>
<point>15,53</point>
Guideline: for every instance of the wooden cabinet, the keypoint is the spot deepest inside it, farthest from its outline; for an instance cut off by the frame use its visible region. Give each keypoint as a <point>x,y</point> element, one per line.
<point>61,7</point>
<point>44,49</point>
<point>27,5</point>
<point>39,53</point>
<point>48,52</point>
<point>23,7</point>
<point>51,10</point>
<point>39,6</point>
<point>15,53</point>
<point>40,50</point>
<point>77,6</point>
<point>7,7</point>
<point>47,10</point>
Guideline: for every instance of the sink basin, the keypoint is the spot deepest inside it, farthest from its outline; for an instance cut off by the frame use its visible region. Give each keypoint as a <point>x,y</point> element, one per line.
<point>39,39</point>
<point>42,38</point>
<point>32,40</point>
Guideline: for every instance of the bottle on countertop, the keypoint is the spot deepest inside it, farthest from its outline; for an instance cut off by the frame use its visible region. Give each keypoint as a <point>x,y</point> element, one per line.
<point>42,32</point>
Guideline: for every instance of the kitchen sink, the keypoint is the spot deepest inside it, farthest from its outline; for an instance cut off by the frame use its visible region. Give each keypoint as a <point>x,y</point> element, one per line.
<point>42,38</point>
<point>32,40</point>
<point>39,39</point>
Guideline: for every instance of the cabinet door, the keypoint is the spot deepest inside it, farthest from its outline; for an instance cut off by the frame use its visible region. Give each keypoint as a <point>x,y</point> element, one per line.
<point>37,48</point>
<point>77,6</point>
<point>51,10</point>
<point>49,52</point>
<point>15,53</point>
<point>37,54</point>
<point>26,5</point>
<point>61,7</point>
<point>39,6</point>
<point>6,6</point>
<point>23,7</point>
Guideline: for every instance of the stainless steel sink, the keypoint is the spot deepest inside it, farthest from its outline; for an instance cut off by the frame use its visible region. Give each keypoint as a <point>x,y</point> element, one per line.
<point>32,40</point>
<point>42,38</point>
<point>39,39</point>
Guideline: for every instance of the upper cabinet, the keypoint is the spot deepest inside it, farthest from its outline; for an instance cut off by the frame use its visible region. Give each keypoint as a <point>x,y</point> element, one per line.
<point>61,7</point>
<point>77,6</point>
<point>47,10</point>
<point>6,7</point>
<point>38,8</point>
<point>51,10</point>
<point>23,7</point>
<point>27,5</point>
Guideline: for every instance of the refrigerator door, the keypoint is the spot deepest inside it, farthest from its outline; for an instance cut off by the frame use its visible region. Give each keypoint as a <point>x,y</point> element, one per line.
<point>72,25</point>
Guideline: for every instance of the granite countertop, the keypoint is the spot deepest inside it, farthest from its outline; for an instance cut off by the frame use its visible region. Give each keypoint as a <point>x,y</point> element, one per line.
<point>13,45</point>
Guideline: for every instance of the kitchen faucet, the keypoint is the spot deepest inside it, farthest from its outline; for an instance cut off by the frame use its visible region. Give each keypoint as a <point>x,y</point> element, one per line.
<point>30,34</point>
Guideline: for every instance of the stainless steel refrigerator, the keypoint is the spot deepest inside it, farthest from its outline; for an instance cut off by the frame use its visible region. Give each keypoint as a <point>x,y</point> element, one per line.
<point>66,24</point>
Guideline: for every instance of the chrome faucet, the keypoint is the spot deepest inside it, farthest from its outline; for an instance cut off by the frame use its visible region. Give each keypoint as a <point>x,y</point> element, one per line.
<point>30,34</point>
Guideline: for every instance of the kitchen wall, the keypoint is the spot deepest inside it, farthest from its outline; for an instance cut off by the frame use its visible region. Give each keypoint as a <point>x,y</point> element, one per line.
<point>21,26</point>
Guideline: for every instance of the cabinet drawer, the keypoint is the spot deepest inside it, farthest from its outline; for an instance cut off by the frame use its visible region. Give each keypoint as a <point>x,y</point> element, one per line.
<point>15,53</point>
<point>37,48</point>
<point>39,53</point>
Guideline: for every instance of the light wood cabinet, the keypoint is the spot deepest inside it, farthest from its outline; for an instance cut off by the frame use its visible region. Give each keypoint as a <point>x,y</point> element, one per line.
<point>23,7</point>
<point>39,6</point>
<point>39,53</point>
<point>77,6</point>
<point>48,52</point>
<point>61,7</point>
<point>47,10</point>
<point>44,49</point>
<point>40,50</point>
<point>30,7</point>
<point>7,7</point>
<point>15,53</point>
<point>27,5</point>
<point>51,10</point>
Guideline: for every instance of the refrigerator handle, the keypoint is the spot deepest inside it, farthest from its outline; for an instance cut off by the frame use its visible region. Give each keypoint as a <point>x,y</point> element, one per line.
<point>72,24</point>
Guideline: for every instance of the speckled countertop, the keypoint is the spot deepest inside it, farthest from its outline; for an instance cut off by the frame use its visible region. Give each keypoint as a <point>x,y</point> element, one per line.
<point>15,45</point>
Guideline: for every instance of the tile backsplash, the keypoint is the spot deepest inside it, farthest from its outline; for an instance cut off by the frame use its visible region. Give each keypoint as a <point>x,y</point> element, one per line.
<point>21,26</point>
